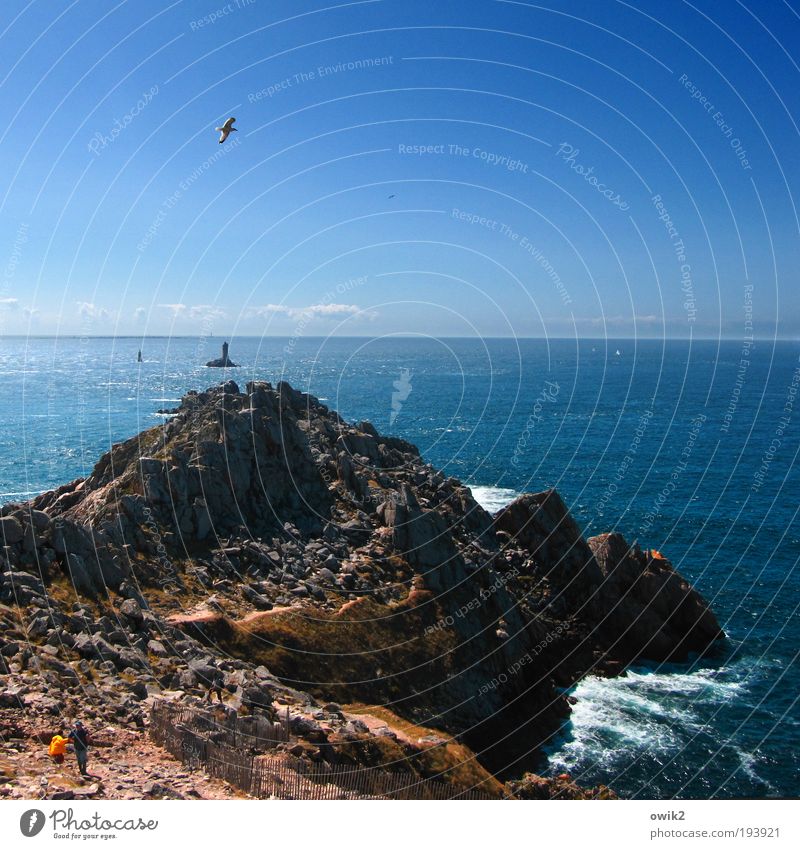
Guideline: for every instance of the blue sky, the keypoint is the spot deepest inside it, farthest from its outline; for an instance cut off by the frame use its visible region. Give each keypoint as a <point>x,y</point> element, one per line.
<point>572,168</point>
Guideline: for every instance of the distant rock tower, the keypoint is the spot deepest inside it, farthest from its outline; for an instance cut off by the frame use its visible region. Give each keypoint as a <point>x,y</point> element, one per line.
<point>224,361</point>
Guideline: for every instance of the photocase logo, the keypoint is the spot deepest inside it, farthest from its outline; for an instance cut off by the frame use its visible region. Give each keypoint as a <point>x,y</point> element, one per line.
<point>31,822</point>
<point>402,388</point>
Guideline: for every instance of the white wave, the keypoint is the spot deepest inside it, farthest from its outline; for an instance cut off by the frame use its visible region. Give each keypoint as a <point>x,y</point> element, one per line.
<point>748,763</point>
<point>646,713</point>
<point>493,498</point>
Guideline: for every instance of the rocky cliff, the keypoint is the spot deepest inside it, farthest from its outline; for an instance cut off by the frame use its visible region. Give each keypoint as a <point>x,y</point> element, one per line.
<point>309,562</point>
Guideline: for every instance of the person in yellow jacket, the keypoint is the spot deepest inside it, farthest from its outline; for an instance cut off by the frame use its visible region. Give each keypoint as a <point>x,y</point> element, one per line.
<point>58,748</point>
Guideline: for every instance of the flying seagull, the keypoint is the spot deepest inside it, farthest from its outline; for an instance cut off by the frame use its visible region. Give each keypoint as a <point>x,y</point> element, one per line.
<point>226,129</point>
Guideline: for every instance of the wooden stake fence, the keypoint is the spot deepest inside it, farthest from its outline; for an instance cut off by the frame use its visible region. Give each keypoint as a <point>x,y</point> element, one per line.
<point>227,748</point>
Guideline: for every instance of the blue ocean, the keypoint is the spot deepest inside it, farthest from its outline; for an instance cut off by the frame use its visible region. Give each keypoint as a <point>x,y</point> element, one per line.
<point>688,446</point>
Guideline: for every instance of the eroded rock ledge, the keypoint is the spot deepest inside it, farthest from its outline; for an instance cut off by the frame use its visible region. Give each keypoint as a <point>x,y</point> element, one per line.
<point>313,562</point>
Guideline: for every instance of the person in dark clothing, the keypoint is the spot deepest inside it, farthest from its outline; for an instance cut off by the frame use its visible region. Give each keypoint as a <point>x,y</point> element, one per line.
<point>215,686</point>
<point>79,737</point>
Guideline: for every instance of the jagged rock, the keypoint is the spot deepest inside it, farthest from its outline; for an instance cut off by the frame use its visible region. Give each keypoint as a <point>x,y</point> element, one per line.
<point>422,536</point>
<point>202,519</point>
<point>132,611</point>
<point>541,524</point>
<point>139,690</point>
<point>258,696</point>
<point>37,702</point>
<point>532,786</point>
<point>204,671</point>
<point>62,795</point>
<point>65,672</point>
<point>20,587</point>
<point>256,599</point>
<point>38,626</point>
<point>94,647</point>
<point>40,520</point>
<point>326,575</point>
<point>10,699</point>
<point>649,610</point>
<point>156,647</point>
<point>157,790</point>
<point>131,658</point>
<point>11,531</point>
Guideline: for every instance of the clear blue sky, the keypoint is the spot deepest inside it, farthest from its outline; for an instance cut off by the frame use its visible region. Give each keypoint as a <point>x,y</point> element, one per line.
<point>551,132</point>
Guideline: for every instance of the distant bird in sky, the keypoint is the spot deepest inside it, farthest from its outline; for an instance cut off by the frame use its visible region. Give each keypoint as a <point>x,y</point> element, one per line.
<point>226,129</point>
<point>390,197</point>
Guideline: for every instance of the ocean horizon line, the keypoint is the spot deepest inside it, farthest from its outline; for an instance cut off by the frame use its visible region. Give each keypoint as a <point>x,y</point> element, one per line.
<point>228,337</point>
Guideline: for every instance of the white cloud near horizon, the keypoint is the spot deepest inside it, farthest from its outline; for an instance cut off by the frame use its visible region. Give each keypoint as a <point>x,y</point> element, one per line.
<point>195,312</point>
<point>201,311</point>
<point>175,309</point>
<point>89,311</point>
<point>311,311</point>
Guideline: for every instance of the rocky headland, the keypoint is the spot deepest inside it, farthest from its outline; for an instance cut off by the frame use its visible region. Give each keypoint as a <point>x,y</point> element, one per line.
<point>321,570</point>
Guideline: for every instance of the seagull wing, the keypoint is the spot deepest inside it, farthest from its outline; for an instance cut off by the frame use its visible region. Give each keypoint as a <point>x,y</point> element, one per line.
<point>226,129</point>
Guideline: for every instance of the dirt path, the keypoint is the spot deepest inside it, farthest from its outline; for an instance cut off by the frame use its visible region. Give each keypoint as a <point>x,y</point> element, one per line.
<point>126,765</point>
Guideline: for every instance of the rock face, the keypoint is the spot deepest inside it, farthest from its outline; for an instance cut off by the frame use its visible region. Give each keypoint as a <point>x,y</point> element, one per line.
<point>541,524</point>
<point>257,539</point>
<point>224,361</point>
<point>649,610</point>
<point>561,787</point>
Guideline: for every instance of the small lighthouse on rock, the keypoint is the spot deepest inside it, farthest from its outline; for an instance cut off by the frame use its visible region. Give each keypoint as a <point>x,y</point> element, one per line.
<point>224,361</point>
